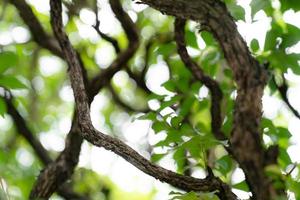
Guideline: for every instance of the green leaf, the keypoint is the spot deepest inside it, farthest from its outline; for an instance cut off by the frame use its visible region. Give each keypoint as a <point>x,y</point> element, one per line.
<point>208,38</point>
<point>254,45</point>
<point>11,82</point>
<point>241,186</point>
<point>187,196</point>
<point>186,105</point>
<point>2,107</point>
<point>180,158</point>
<point>175,121</point>
<point>171,102</point>
<point>7,59</point>
<point>224,165</point>
<point>291,36</point>
<point>258,5</point>
<point>157,157</point>
<point>284,158</point>
<point>290,4</point>
<point>236,11</point>
<point>191,39</point>
<point>166,49</point>
<point>149,116</point>
<point>170,85</point>
<point>193,196</point>
<point>158,126</point>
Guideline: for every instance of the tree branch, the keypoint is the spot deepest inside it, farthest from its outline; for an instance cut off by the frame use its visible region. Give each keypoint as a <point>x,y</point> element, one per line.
<point>22,128</point>
<point>283,89</point>
<point>101,140</point>
<point>109,39</point>
<point>249,76</point>
<point>211,84</point>
<point>59,171</point>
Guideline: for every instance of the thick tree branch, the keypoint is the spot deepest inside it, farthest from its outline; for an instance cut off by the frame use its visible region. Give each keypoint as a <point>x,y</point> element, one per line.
<point>249,76</point>
<point>101,140</point>
<point>59,171</point>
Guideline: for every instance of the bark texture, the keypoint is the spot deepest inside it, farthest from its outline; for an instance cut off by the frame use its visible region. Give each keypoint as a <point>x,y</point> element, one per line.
<point>245,141</point>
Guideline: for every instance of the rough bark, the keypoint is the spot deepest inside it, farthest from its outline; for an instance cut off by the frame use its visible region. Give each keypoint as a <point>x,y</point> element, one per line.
<point>250,78</point>
<point>99,139</point>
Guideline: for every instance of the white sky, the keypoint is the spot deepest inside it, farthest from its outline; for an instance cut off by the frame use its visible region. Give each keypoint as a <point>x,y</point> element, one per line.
<point>106,163</point>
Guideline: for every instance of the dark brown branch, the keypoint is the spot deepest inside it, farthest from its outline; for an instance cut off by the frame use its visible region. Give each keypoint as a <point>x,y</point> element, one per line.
<point>249,76</point>
<point>211,84</point>
<point>69,157</point>
<point>283,89</point>
<point>61,170</point>
<point>101,140</point>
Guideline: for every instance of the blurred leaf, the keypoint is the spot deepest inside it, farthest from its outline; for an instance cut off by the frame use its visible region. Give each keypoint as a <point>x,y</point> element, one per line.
<point>166,49</point>
<point>149,116</point>
<point>254,45</point>
<point>175,121</point>
<point>186,105</point>
<point>158,126</point>
<point>241,186</point>
<point>191,39</point>
<point>236,11</point>
<point>258,5</point>
<point>170,85</point>
<point>11,82</point>
<point>224,165</point>
<point>208,38</point>
<point>290,4</point>
<point>157,157</point>
<point>284,158</point>
<point>193,196</point>
<point>7,59</point>
<point>180,158</point>
<point>170,102</point>
<point>2,107</point>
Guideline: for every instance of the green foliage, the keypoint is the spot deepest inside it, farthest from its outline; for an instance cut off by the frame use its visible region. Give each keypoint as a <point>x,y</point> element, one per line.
<point>2,107</point>
<point>193,196</point>
<point>236,11</point>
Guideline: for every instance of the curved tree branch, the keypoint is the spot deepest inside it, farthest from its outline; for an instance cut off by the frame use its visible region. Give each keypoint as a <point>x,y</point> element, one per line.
<point>211,84</point>
<point>249,76</point>
<point>61,170</point>
<point>101,140</point>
